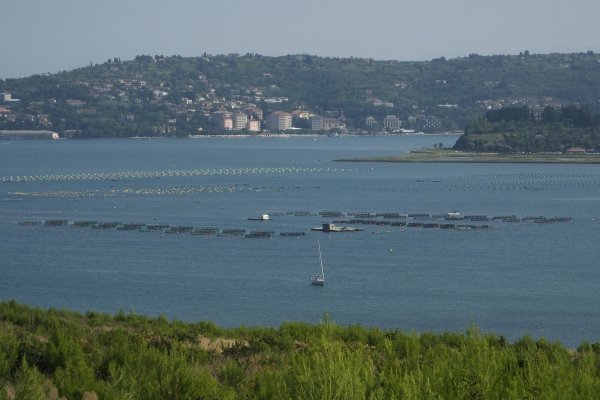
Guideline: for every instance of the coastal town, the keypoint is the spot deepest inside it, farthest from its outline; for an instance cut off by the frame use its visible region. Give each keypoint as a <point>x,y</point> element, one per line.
<point>237,111</point>
<point>161,96</point>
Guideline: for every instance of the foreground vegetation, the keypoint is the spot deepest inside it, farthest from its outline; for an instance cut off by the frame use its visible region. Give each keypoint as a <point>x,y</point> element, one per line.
<point>51,354</point>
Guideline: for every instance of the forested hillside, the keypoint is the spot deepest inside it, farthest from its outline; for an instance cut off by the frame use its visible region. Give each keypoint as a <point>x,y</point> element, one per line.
<point>175,96</point>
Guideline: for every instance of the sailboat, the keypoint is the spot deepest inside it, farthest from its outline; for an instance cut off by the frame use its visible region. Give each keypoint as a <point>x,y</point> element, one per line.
<point>317,279</point>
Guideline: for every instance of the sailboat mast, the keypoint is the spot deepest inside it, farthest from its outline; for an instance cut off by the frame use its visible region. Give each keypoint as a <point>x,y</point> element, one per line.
<point>320,258</point>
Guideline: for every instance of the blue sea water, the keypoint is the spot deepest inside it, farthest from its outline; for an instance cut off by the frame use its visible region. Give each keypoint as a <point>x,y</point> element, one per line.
<point>512,279</point>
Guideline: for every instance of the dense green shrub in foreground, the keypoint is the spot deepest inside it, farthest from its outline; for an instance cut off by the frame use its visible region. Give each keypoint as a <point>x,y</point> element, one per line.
<point>52,354</point>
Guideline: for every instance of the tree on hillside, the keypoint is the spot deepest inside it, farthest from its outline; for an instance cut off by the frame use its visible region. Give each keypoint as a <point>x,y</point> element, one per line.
<point>520,113</point>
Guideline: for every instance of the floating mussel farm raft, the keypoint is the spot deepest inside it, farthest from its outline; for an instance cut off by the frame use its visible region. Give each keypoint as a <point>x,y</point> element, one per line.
<point>56,222</point>
<point>205,231</point>
<point>329,221</point>
<point>31,223</point>
<point>130,227</point>
<point>106,225</point>
<point>233,232</point>
<point>83,224</point>
<point>260,234</point>
<point>153,228</point>
<point>179,229</point>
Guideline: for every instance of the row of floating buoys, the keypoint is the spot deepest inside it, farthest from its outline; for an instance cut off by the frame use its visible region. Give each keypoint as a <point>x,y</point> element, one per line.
<point>520,181</point>
<point>513,179</point>
<point>123,192</point>
<point>123,175</point>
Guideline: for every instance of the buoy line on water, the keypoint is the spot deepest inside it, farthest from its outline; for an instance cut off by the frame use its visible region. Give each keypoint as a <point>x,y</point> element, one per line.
<point>170,191</point>
<point>122,175</point>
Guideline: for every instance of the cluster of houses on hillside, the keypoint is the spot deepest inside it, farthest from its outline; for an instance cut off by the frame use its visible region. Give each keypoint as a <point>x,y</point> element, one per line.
<point>392,123</point>
<point>207,105</point>
<point>201,105</point>
<point>535,103</point>
<point>250,118</point>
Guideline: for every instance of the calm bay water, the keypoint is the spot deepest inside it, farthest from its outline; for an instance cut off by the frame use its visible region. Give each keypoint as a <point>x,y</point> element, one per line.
<point>513,279</point>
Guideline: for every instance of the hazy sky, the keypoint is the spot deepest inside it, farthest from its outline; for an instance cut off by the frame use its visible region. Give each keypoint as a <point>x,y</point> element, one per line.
<point>40,36</point>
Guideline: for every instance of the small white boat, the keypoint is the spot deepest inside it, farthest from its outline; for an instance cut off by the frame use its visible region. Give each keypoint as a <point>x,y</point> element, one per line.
<point>263,217</point>
<point>317,279</point>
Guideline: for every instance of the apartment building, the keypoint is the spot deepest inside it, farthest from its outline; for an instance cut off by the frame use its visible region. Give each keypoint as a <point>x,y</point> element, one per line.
<point>278,121</point>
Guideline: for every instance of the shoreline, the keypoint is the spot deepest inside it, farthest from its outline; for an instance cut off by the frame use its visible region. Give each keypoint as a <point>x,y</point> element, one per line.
<point>314,135</point>
<point>243,136</point>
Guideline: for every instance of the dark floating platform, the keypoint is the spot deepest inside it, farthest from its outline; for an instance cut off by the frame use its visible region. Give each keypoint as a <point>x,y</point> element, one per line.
<point>29,223</point>
<point>179,229</point>
<point>83,224</point>
<point>419,216</point>
<point>106,225</point>
<point>130,227</point>
<point>440,221</point>
<point>233,232</point>
<point>363,215</point>
<point>331,214</point>
<point>56,222</point>
<point>260,234</point>
<point>506,218</point>
<point>154,228</point>
<point>476,218</point>
<point>292,234</point>
<point>205,231</point>
<point>391,215</point>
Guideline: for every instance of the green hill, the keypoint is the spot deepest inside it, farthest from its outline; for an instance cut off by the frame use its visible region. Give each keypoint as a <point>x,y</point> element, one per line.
<point>174,96</point>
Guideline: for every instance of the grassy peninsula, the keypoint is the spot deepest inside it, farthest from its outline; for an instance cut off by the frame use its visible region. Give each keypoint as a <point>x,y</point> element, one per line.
<point>569,134</point>
<point>457,156</point>
<point>50,354</point>
<point>565,130</point>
